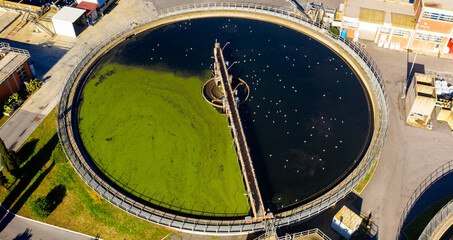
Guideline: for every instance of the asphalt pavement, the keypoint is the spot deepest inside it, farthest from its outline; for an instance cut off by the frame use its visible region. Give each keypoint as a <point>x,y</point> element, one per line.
<point>14,227</point>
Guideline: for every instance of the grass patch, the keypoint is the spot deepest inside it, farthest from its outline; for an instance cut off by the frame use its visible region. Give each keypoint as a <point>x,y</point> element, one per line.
<point>155,135</point>
<point>3,119</point>
<point>73,205</point>
<point>418,224</point>
<point>365,181</point>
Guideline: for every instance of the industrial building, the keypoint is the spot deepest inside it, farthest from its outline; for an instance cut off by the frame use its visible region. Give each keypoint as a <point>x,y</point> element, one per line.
<point>420,27</point>
<point>14,70</point>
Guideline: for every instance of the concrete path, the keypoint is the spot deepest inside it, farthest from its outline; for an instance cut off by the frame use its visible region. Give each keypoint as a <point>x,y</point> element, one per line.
<point>15,227</point>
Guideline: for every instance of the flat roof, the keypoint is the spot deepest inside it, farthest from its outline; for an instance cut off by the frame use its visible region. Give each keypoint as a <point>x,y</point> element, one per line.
<point>68,14</point>
<point>10,63</point>
<point>353,8</point>
<point>439,4</point>
<point>88,6</point>
<point>349,218</point>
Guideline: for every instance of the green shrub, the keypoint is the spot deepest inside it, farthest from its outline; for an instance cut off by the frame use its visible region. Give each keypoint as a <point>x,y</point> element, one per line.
<point>41,207</point>
<point>33,85</point>
<point>10,101</point>
<point>334,30</point>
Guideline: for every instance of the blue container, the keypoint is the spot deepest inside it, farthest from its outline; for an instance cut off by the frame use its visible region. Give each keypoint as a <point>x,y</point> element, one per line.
<point>343,33</point>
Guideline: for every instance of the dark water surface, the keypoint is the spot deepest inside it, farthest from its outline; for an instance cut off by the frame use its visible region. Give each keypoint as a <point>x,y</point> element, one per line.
<point>307,119</point>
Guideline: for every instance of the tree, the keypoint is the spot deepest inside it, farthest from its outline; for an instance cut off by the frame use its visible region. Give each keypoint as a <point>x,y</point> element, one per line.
<point>9,159</point>
<point>41,207</point>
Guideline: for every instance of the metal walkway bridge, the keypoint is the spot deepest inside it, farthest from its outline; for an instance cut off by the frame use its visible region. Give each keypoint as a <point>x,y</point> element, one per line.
<point>231,104</point>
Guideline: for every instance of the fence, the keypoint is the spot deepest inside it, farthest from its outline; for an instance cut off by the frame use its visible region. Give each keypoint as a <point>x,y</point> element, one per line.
<point>80,160</point>
<point>422,187</point>
<point>5,46</point>
<point>445,213</point>
<point>305,233</point>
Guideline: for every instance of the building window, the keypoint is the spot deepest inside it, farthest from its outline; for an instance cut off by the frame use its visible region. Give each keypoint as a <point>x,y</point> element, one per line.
<point>437,39</point>
<point>430,15</point>
<point>402,33</point>
<point>350,25</point>
<point>385,30</point>
<point>446,18</point>
<point>22,74</point>
<point>422,36</point>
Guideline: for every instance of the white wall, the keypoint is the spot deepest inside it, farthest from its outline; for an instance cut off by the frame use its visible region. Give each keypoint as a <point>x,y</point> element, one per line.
<point>100,2</point>
<point>63,28</point>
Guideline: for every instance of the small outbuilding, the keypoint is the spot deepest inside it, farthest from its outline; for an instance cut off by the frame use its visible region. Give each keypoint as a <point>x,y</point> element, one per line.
<point>91,10</point>
<point>69,21</point>
<point>346,222</point>
<point>14,70</point>
<point>421,100</point>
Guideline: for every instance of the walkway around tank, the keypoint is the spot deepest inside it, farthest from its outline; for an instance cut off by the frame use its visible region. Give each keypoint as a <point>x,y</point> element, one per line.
<point>242,149</point>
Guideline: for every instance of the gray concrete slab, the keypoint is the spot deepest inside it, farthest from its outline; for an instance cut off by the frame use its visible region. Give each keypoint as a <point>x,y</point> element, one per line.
<point>14,138</point>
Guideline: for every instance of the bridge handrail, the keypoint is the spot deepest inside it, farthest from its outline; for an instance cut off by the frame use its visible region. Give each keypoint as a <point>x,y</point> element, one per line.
<point>238,131</point>
<point>237,226</point>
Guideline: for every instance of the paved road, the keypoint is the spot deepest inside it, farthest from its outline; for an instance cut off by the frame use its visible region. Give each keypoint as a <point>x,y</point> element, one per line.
<point>19,228</point>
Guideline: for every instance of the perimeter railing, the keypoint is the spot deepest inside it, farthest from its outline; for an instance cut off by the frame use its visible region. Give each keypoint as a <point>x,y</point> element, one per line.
<point>304,234</point>
<point>5,46</point>
<point>80,161</point>
<point>422,187</point>
<point>437,221</point>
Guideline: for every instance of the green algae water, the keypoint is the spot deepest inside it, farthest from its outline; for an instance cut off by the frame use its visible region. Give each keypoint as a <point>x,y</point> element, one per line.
<point>144,122</point>
<point>153,134</point>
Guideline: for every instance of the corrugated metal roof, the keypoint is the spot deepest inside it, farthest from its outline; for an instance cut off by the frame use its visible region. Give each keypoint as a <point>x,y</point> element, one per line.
<point>372,16</point>
<point>90,7</point>
<point>424,78</point>
<point>348,218</point>
<point>10,63</point>
<point>403,21</point>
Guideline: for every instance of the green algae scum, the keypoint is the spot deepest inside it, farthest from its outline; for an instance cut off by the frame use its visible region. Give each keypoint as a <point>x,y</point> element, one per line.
<point>152,133</point>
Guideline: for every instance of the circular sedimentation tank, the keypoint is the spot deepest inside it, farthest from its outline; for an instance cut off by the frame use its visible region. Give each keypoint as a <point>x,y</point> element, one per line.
<point>144,127</point>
